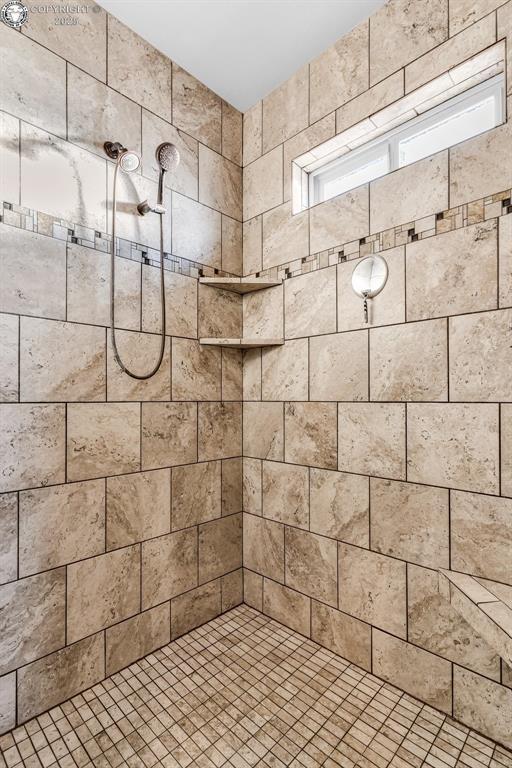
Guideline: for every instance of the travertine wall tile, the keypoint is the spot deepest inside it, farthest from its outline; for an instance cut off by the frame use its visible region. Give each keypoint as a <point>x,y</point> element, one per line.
<point>60,524</point>
<point>310,304</point>
<point>88,289</point>
<point>232,589</point>
<point>180,294</point>
<point>253,589</point>
<point>128,56</point>
<point>219,313</point>
<point>96,111</point>
<point>452,273</point>
<point>196,231</point>
<point>338,366</point>
<point>196,109</point>
<point>138,507</point>
<point>220,183</point>
<point>59,676</point>
<point>286,493</point>
<point>481,535</point>
<point>340,506</point>
<point>61,361</point>
<point>196,371</point>
<point>232,121</point>
<point>409,362</point>
<point>263,430</point>
<point>82,44</point>
<point>410,522</point>
<point>287,606</point>
<point>38,93</point>
<point>373,588</point>
<point>452,638</point>
<point>504,29</point>
<point>136,637</point>
<point>252,133</point>
<point>38,264</point>
<point>169,566</point>
<point>7,702</point>
<point>263,183</point>
<point>483,704</point>
<point>285,235</point>
<point>10,138</point>
<point>340,220</point>
<point>102,438</point>
<point>232,374</point>
<point>463,13</point>
<point>169,434</point>
<point>459,48</point>
<point>263,314</point>
<point>316,134</point>
<point>410,193</point>
<point>311,565</point>
<point>285,109</point>
<point>253,245</point>
<point>263,547</point>
<point>251,366</point>
<point>402,31</point>
<point>32,618</point>
<point>232,486</point>
<point>339,73</point>
<point>32,446</point>
<point>8,537</point>
<point>367,103</point>
<point>505,260</point>
<point>252,486</point>
<point>386,308</point>
<point>195,608</point>
<point>418,672</point>
<point>139,352</point>
<point>342,634</point>
<point>310,434</point>
<point>371,439</point>
<point>454,445</point>
<point>184,178</point>
<point>102,591</point>
<point>9,336</point>
<point>219,430</point>
<point>480,166</point>
<point>506,450</point>
<point>220,547</point>
<point>481,356</point>
<point>232,245</point>
<point>285,371</point>
<point>196,494</point>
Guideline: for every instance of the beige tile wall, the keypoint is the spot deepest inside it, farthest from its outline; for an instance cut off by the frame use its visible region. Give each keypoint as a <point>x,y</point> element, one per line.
<point>120,500</point>
<point>374,455</point>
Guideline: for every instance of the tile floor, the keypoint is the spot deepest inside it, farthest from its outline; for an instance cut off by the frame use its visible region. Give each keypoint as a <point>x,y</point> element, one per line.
<point>243,691</point>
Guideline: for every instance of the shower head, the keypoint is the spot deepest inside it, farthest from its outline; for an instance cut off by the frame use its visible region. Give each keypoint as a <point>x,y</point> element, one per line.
<point>127,159</point>
<point>167,156</point>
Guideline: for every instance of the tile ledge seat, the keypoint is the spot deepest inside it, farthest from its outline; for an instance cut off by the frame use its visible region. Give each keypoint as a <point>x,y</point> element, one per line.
<point>485,605</point>
<point>249,343</point>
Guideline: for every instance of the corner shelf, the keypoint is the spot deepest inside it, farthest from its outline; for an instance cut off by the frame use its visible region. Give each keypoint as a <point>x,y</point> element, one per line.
<point>485,605</point>
<point>242,343</point>
<point>239,284</point>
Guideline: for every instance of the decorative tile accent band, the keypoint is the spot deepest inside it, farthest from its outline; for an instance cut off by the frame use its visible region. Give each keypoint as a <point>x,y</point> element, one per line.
<point>60,229</point>
<point>476,212</point>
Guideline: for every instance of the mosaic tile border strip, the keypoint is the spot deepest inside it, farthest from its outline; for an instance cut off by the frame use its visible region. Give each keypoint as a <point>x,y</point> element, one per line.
<point>464,215</point>
<point>60,229</point>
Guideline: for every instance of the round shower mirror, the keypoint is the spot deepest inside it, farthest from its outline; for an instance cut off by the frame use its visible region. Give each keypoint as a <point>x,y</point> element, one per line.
<point>369,276</point>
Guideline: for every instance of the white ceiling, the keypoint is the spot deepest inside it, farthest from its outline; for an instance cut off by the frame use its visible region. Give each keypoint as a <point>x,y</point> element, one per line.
<point>241,49</point>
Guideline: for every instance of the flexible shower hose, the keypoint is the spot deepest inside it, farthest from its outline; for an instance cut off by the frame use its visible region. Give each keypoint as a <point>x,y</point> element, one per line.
<point>113,291</point>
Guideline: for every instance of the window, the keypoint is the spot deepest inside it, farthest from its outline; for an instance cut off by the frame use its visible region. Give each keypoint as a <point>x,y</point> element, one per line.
<point>461,117</point>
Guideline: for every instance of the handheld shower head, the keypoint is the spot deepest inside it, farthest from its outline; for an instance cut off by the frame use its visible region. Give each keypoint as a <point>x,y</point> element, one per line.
<point>127,159</point>
<point>168,156</point>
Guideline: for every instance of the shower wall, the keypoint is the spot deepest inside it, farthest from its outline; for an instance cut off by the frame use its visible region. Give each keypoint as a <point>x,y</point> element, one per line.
<point>374,457</point>
<point>120,505</point>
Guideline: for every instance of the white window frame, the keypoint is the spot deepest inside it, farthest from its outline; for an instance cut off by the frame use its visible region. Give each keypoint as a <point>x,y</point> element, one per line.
<point>390,141</point>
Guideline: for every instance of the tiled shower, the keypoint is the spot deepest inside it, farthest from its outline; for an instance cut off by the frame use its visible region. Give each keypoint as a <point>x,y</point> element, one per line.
<point>292,545</point>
